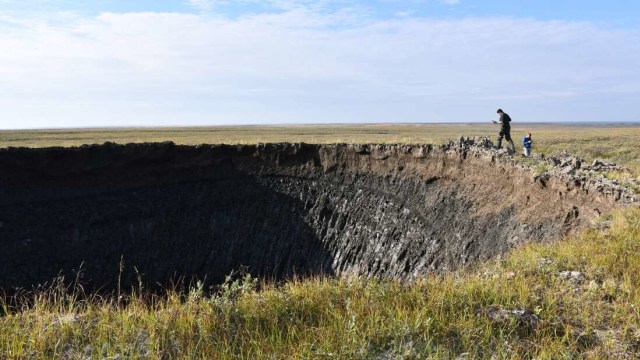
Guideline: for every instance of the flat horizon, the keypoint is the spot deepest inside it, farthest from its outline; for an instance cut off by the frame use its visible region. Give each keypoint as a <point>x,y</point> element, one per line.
<point>391,124</point>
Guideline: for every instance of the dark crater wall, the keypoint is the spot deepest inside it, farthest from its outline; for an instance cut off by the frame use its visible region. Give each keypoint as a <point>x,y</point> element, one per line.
<point>183,212</point>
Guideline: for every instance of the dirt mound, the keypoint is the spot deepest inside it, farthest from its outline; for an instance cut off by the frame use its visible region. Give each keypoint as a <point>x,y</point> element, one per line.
<point>182,212</point>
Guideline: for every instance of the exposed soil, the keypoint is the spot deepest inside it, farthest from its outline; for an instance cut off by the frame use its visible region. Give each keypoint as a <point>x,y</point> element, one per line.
<point>184,212</point>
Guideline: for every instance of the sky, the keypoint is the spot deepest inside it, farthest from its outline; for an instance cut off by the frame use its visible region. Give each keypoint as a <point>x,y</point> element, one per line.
<point>221,62</point>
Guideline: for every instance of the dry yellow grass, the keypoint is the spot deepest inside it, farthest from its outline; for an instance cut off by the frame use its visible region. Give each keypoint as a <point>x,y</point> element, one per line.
<point>617,143</point>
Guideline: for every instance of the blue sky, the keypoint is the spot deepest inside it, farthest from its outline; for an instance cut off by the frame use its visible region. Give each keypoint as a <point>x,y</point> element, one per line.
<point>616,13</point>
<point>210,62</point>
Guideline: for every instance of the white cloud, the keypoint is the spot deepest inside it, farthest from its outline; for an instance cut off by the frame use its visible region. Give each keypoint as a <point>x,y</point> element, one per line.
<point>203,5</point>
<point>302,65</point>
<point>208,5</point>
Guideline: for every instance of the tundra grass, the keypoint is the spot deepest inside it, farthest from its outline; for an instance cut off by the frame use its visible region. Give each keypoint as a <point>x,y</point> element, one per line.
<point>617,143</point>
<point>594,314</point>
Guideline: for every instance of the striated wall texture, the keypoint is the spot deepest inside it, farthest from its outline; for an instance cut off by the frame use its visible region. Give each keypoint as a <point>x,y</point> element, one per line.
<point>184,212</point>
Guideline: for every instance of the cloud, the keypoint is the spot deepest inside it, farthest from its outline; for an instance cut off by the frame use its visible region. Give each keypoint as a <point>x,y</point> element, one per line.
<point>304,65</point>
<point>208,5</point>
<point>202,5</point>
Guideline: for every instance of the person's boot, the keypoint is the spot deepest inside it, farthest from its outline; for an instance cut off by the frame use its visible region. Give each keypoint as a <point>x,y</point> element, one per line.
<point>499,145</point>
<point>513,147</point>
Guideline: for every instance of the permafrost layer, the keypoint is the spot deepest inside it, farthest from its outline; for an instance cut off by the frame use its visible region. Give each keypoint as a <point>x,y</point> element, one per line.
<point>184,212</point>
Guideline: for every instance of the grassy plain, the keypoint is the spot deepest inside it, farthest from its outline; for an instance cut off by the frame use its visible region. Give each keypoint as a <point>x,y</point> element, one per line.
<point>593,316</point>
<point>617,143</point>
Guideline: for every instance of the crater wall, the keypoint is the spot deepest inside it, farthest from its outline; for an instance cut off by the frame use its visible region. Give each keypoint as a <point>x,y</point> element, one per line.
<point>169,212</point>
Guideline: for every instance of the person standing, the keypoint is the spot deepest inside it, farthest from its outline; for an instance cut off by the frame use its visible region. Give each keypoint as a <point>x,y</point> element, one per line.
<point>505,130</point>
<point>527,142</point>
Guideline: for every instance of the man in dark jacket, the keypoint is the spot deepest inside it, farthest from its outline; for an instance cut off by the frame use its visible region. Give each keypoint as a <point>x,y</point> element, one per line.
<point>505,130</point>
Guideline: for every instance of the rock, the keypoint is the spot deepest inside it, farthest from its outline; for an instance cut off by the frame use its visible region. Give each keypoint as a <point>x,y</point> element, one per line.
<point>543,262</point>
<point>566,162</point>
<point>577,162</point>
<point>575,277</point>
<point>525,318</point>
<point>605,166</point>
<point>568,170</point>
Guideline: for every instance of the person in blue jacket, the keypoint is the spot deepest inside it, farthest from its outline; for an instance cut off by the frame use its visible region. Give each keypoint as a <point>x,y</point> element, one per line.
<point>527,142</point>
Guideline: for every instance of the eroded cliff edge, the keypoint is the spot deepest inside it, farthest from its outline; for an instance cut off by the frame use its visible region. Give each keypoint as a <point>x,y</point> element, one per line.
<point>182,212</point>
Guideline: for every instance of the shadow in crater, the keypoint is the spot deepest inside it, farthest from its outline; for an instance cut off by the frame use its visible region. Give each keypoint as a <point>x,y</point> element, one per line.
<point>197,229</point>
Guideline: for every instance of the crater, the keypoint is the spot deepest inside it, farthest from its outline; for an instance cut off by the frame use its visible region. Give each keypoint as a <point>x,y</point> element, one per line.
<point>164,213</point>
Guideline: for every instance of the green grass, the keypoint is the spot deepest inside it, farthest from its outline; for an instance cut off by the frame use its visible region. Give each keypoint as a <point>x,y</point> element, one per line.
<point>323,318</point>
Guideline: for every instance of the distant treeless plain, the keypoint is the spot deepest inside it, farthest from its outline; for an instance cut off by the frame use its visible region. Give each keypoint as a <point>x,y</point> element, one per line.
<point>618,143</point>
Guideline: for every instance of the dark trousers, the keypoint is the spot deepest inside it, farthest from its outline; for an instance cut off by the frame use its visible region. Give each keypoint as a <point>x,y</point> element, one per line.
<point>505,133</point>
